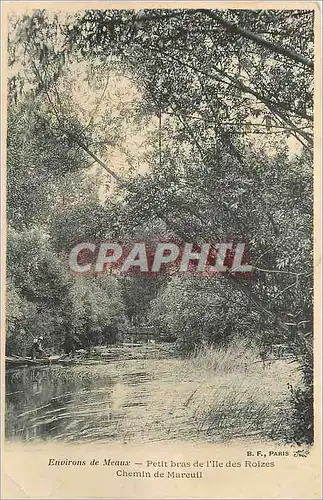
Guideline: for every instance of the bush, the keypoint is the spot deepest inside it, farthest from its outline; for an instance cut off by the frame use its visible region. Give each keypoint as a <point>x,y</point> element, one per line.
<point>302,395</point>
<point>302,426</point>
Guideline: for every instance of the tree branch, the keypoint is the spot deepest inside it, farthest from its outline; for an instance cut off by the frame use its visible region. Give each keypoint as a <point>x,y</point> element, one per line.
<point>238,84</point>
<point>273,47</point>
<point>233,28</point>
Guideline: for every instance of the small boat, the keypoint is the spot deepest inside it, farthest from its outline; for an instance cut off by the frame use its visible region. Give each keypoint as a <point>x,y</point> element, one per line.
<point>12,361</point>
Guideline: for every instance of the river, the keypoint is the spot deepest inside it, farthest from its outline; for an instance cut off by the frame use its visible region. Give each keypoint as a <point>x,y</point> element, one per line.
<point>148,399</point>
<point>85,401</point>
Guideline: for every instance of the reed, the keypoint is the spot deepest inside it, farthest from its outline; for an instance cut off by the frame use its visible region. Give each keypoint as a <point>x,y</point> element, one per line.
<point>239,398</point>
<point>240,356</point>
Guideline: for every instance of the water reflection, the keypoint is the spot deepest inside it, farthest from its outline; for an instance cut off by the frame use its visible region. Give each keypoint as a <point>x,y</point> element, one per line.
<point>44,403</point>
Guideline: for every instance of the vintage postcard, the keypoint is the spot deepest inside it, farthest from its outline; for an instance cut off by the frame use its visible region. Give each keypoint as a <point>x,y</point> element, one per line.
<point>161,244</point>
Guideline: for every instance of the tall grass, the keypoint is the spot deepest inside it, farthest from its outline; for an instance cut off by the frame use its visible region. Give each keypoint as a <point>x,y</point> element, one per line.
<point>239,356</point>
<point>239,397</point>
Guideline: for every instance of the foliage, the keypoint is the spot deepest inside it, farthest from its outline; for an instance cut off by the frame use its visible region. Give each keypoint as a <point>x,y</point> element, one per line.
<point>192,60</point>
<point>97,309</point>
<point>44,300</point>
<point>205,312</point>
<point>37,291</point>
<point>35,160</point>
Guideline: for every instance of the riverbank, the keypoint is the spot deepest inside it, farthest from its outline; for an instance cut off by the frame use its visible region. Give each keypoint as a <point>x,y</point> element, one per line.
<point>142,400</point>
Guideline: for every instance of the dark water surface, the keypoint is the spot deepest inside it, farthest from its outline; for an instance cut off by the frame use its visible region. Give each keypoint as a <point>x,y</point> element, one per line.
<point>55,403</point>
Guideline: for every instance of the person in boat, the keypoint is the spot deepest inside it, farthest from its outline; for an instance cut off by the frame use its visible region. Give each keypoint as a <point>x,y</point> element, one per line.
<point>37,349</point>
